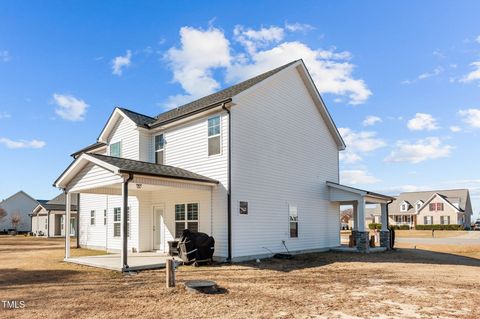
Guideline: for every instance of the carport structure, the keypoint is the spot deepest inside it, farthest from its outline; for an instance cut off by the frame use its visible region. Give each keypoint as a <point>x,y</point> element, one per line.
<point>359,198</point>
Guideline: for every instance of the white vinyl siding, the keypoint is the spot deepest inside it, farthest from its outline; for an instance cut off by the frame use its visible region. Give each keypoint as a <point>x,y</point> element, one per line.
<point>126,132</point>
<point>187,147</point>
<point>278,115</point>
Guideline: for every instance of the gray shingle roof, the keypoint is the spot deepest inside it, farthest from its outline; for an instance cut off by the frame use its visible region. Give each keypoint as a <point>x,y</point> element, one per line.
<point>89,148</point>
<point>215,98</point>
<point>459,196</point>
<point>144,168</point>
<point>137,118</point>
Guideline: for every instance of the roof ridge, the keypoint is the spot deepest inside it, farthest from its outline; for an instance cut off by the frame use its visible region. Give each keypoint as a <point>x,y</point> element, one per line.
<point>128,110</point>
<point>436,191</point>
<point>273,71</point>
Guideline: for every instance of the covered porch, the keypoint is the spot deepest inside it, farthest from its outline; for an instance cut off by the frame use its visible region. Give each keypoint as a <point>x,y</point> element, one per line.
<point>358,199</point>
<point>133,209</point>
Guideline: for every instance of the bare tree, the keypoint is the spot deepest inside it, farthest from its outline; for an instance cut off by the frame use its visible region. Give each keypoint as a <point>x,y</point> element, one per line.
<point>3,214</point>
<point>346,215</point>
<point>16,219</point>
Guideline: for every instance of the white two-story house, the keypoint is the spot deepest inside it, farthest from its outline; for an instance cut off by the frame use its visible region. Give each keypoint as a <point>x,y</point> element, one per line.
<point>248,165</point>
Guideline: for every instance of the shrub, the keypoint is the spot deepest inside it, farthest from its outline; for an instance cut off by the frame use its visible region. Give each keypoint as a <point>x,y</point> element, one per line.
<point>400,227</point>
<point>439,227</point>
<point>375,226</point>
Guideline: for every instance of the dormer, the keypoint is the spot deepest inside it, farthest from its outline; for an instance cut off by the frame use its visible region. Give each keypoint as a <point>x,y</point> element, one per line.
<point>405,206</point>
<point>418,205</point>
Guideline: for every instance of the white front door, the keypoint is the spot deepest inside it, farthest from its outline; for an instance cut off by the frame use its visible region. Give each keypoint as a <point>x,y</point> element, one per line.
<point>158,236</point>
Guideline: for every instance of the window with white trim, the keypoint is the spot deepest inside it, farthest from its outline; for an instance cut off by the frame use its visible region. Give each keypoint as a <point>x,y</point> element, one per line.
<point>186,217</point>
<point>243,208</point>
<point>419,204</point>
<point>428,220</point>
<point>104,217</point>
<point>214,135</point>
<point>92,217</point>
<point>46,222</point>
<point>117,222</point>
<point>404,207</point>
<point>293,221</point>
<point>159,149</point>
<point>116,149</point>
<point>445,220</point>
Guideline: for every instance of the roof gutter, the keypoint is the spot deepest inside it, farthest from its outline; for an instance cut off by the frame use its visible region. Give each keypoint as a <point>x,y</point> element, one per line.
<point>229,193</point>
<point>186,115</point>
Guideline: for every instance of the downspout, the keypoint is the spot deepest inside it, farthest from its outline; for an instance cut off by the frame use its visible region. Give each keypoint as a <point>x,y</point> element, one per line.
<point>392,232</point>
<point>229,193</point>
<point>125,222</point>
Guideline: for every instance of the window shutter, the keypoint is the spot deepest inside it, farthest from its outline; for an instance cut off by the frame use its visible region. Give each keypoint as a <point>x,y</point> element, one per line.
<point>441,220</point>
<point>425,220</point>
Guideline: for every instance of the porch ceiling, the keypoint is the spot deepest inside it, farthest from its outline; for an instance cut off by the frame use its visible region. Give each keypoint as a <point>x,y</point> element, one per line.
<point>348,195</point>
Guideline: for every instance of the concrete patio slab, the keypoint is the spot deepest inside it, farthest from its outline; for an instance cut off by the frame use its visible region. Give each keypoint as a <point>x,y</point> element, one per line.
<point>136,261</point>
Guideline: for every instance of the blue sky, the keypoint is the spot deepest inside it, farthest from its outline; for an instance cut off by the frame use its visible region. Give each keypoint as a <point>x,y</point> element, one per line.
<point>401,79</point>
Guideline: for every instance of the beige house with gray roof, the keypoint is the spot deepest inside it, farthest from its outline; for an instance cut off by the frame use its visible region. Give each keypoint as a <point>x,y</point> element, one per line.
<point>437,207</point>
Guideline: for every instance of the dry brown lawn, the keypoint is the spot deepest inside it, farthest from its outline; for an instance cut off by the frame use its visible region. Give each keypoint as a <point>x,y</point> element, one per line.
<point>407,283</point>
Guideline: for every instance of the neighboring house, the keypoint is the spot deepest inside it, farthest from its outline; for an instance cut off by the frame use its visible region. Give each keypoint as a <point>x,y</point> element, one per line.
<point>48,217</point>
<point>19,204</point>
<point>431,207</point>
<point>254,165</point>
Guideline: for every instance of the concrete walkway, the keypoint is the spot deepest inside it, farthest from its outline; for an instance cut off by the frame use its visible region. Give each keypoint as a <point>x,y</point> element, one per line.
<point>136,261</point>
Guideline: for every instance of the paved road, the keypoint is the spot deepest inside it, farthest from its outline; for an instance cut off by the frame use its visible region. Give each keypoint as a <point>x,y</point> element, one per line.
<point>470,238</point>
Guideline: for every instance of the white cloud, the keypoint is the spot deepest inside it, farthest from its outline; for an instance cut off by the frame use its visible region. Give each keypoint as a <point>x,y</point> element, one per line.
<point>349,157</point>
<point>474,75</point>
<point>471,117</point>
<point>298,27</point>
<point>121,62</point>
<point>253,39</point>
<point>435,72</point>
<point>357,176</point>
<point>21,143</point>
<point>422,122</point>
<point>200,52</point>
<point>4,56</point>
<point>330,70</point>
<point>4,115</point>
<point>371,120</point>
<point>477,39</point>
<point>358,142</point>
<point>419,151</point>
<point>455,129</point>
<point>69,107</point>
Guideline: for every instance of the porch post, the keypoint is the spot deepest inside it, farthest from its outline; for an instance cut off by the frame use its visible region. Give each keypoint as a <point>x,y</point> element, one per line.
<point>361,235</point>
<point>124,254</point>
<point>355,215</point>
<point>66,222</point>
<point>383,209</point>
<point>361,214</point>
<point>384,233</point>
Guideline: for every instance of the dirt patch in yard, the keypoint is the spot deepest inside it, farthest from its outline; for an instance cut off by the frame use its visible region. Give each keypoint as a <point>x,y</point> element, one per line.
<point>407,283</point>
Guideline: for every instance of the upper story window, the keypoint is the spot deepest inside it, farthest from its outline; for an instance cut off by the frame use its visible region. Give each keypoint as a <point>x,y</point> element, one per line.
<point>436,207</point>
<point>159,149</point>
<point>404,207</point>
<point>214,135</point>
<point>419,204</point>
<point>116,149</point>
